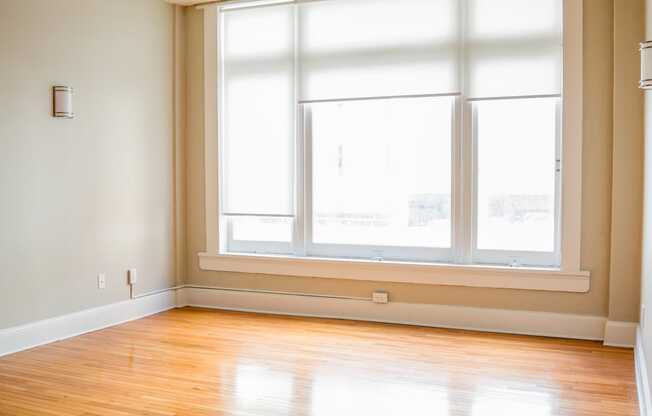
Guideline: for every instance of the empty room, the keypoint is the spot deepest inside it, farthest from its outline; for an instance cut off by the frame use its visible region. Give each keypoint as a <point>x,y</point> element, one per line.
<point>326,207</point>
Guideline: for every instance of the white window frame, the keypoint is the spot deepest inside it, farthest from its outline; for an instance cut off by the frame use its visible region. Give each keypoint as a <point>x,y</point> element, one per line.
<point>400,253</point>
<point>567,276</point>
<point>508,257</point>
<point>253,246</point>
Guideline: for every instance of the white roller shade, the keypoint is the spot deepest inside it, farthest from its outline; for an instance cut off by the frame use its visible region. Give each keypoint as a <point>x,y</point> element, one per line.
<point>370,48</point>
<point>258,111</point>
<point>276,56</point>
<point>513,47</point>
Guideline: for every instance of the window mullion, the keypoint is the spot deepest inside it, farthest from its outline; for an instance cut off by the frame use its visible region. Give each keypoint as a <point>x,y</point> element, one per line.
<point>462,247</point>
<point>458,219</point>
<point>558,184</point>
<point>307,179</point>
<point>299,241</point>
<point>465,188</point>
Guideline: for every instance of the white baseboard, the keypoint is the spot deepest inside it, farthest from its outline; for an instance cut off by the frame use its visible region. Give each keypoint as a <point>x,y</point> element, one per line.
<point>49,330</point>
<point>441,316</point>
<point>642,383</point>
<point>620,334</point>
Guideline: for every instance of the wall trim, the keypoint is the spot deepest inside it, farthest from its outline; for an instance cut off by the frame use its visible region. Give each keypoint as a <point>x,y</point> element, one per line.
<point>620,334</point>
<point>642,383</point>
<point>440,316</point>
<point>403,272</point>
<point>19,338</point>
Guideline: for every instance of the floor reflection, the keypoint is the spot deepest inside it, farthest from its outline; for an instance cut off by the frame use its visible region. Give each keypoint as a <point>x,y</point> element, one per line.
<point>506,402</point>
<point>339,394</point>
<point>262,390</point>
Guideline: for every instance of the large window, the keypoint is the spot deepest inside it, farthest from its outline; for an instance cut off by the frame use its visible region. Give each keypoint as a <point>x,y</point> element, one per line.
<point>419,130</point>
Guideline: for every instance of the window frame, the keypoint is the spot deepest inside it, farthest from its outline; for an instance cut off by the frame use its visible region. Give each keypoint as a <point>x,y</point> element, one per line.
<point>303,243</point>
<point>217,257</point>
<point>254,246</point>
<point>376,252</point>
<point>518,257</point>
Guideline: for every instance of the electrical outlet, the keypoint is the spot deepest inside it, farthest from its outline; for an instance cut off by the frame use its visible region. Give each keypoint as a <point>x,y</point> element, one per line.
<point>380,297</point>
<point>132,276</point>
<point>101,281</point>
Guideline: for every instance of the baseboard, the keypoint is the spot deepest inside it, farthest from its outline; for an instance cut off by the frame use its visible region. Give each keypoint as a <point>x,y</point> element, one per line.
<point>642,383</point>
<point>49,330</point>
<point>620,334</point>
<point>441,316</point>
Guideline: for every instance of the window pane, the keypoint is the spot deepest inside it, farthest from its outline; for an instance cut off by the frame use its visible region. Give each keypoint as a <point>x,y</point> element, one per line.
<point>516,174</point>
<point>262,229</point>
<point>382,172</point>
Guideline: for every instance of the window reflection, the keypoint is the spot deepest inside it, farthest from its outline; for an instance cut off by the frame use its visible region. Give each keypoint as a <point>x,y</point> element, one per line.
<point>507,402</point>
<point>341,395</point>
<point>263,391</point>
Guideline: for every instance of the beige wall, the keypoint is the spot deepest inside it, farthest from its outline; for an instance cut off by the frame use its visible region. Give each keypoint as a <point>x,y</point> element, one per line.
<point>93,194</point>
<point>627,166</point>
<point>597,161</point>
<point>112,189</point>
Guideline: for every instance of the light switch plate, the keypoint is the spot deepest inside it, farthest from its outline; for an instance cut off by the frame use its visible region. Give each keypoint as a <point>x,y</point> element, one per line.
<point>101,281</point>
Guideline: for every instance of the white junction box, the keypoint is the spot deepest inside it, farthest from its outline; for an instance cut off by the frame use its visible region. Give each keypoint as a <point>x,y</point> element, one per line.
<point>132,276</point>
<point>380,297</point>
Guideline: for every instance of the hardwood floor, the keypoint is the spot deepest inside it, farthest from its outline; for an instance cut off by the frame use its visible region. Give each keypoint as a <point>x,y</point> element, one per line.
<point>202,362</point>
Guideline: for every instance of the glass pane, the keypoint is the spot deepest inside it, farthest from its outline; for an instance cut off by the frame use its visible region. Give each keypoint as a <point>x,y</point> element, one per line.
<point>516,174</point>
<point>382,172</point>
<point>262,229</point>
<point>258,111</point>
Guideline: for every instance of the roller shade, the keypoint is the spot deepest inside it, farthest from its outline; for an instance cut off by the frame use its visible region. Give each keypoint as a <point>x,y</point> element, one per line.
<point>258,106</point>
<point>513,47</point>
<point>275,56</point>
<point>366,48</point>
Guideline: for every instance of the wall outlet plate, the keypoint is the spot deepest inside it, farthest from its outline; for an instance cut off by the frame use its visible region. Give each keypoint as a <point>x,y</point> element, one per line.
<point>380,297</point>
<point>101,281</point>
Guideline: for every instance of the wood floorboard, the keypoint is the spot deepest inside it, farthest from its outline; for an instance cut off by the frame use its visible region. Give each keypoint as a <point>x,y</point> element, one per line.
<point>200,362</point>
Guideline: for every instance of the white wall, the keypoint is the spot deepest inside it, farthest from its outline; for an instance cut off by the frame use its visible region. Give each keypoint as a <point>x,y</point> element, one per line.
<point>93,194</point>
<point>627,163</point>
<point>646,272</point>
